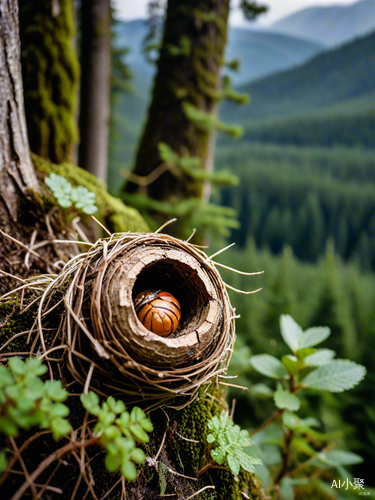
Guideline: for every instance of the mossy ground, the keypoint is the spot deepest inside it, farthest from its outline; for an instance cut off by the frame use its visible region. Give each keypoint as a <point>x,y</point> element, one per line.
<point>116,216</point>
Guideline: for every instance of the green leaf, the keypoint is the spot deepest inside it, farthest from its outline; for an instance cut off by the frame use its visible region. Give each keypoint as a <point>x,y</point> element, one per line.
<point>125,445</point>
<point>8,426</point>
<point>60,427</point>
<point>210,438</point>
<point>116,406</point>
<point>302,353</point>
<point>90,402</point>
<point>35,366</point>
<point>17,366</point>
<point>234,464</point>
<point>90,209</point>
<point>6,378</point>
<point>286,400</point>
<point>146,424</point>
<point>247,462</point>
<point>290,420</point>
<point>286,489</point>
<point>59,410</point>
<point>269,366</point>
<point>138,456</point>
<point>314,336</point>
<point>63,202</point>
<point>218,454</point>
<point>261,391</point>
<point>340,457</point>
<point>320,357</point>
<point>139,433</point>
<point>113,462</point>
<point>167,154</point>
<point>337,376</point>
<point>290,331</point>
<point>55,391</point>
<point>112,432</point>
<point>291,363</point>
<point>128,470</point>
<point>3,461</point>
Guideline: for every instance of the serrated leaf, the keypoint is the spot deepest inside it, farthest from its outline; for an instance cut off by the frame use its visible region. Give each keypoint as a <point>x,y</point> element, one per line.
<point>269,366</point>
<point>320,357</point>
<point>290,331</point>
<point>337,376</point>
<point>233,464</point>
<point>286,400</point>
<point>341,457</point>
<point>247,462</point>
<point>6,377</point>
<point>17,366</point>
<point>314,336</point>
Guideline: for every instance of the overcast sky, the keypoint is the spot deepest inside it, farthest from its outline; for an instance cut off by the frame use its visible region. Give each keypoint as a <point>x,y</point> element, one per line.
<point>135,9</point>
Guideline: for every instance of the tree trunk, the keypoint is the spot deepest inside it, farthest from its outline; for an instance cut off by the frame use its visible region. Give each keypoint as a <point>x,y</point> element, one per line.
<point>95,87</point>
<point>17,174</point>
<point>191,57</point>
<point>50,74</point>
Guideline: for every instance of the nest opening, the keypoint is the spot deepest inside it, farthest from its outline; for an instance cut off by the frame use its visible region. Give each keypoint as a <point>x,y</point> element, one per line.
<point>182,282</point>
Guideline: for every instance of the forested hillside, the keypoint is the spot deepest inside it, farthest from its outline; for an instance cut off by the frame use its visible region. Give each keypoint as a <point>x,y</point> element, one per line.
<point>332,24</point>
<point>331,77</point>
<point>306,160</point>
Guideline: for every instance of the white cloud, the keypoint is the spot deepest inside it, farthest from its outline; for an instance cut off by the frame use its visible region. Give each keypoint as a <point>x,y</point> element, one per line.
<point>135,9</point>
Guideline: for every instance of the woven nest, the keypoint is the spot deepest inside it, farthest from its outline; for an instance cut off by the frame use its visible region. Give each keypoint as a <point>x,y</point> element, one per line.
<point>110,350</point>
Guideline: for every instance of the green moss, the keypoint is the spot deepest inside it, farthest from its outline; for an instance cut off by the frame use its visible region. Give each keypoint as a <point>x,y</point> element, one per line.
<point>192,424</point>
<point>50,72</point>
<point>116,216</point>
<point>11,323</point>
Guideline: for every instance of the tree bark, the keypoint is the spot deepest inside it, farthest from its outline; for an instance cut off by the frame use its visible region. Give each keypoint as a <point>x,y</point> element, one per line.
<point>50,72</point>
<point>17,175</point>
<point>95,87</point>
<point>184,76</point>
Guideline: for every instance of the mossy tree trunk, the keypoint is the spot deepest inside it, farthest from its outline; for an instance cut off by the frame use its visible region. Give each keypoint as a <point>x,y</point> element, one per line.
<point>50,73</point>
<point>95,86</point>
<point>190,60</point>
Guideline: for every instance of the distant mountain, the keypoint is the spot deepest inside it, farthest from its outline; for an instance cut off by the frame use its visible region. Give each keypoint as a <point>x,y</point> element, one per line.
<point>261,52</point>
<point>334,76</point>
<point>330,25</point>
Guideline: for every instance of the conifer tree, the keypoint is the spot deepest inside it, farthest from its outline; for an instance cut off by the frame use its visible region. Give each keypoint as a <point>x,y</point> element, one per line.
<point>95,86</point>
<point>183,110</point>
<point>50,73</point>
<point>333,309</point>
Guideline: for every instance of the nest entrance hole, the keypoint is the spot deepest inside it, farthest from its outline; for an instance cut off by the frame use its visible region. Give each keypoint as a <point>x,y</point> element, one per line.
<point>182,282</point>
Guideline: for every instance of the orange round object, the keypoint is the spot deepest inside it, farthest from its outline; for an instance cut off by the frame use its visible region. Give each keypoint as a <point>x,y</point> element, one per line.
<point>158,311</point>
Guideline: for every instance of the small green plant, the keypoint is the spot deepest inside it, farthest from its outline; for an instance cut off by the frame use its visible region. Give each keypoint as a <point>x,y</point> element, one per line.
<point>228,442</point>
<point>26,401</point>
<point>79,198</point>
<point>305,368</point>
<point>118,432</point>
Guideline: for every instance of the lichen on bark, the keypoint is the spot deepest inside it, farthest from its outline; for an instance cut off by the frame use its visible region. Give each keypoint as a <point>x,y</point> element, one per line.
<point>50,73</point>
